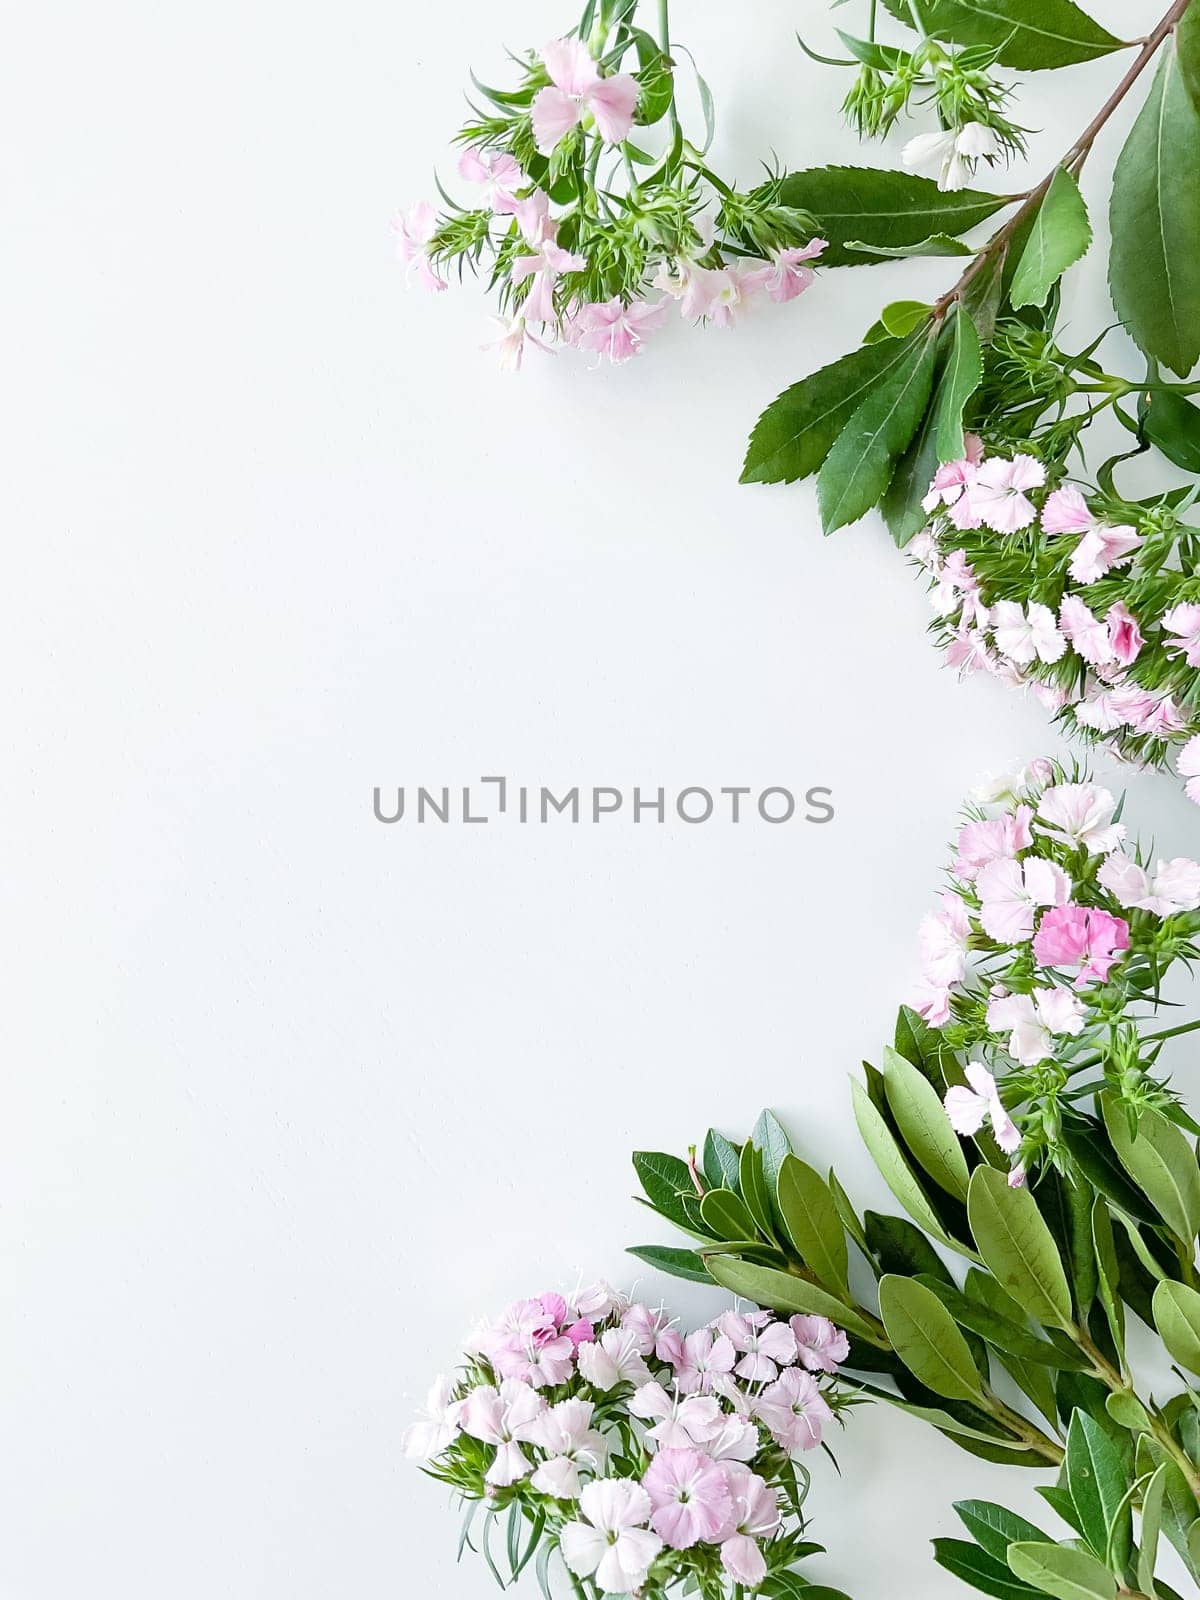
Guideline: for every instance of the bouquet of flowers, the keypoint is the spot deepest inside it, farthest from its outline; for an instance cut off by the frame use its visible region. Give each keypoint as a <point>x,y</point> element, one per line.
<point>1049,1190</point>
<point>584,235</point>
<point>1042,574</point>
<point>649,1461</point>
<point>1043,956</point>
<point>1091,601</point>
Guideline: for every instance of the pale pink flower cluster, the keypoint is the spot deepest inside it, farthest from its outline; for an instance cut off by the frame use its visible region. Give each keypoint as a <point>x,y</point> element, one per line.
<point>1014,639</point>
<point>1032,924</point>
<point>578,94</point>
<point>551,1382</point>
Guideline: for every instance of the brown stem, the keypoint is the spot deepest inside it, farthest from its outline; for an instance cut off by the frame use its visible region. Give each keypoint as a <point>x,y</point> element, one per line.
<point>1074,157</point>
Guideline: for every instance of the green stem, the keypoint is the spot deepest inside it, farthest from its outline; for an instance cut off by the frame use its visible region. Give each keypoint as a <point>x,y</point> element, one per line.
<point>1114,1381</point>
<point>664,39</point>
<point>1021,1428</point>
<point>1073,158</point>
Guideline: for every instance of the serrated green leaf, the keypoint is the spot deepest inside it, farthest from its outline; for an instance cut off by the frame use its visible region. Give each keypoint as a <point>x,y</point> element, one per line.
<point>926,1338</point>
<point>812,1222</point>
<point>1177,1318</point>
<point>924,1125</point>
<point>1061,235</point>
<point>1172,423</point>
<point>1154,265</point>
<point>1056,1569</point>
<point>937,244</point>
<point>1031,35</point>
<point>1162,1161</point>
<point>1018,1247</point>
<point>859,466</point>
<point>873,206</point>
<point>795,433</point>
<point>961,376</point>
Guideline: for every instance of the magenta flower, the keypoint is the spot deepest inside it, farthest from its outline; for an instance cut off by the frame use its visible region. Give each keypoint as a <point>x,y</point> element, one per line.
<point>1078,936</point>
<point>952,478</point>
<point>1011,891</point>
<point>690,1497</point>
<point>1124,634</point>
<point>577,90</point>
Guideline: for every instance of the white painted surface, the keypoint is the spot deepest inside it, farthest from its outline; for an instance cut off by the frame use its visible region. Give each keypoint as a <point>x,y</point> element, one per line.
<point>290,1098</point>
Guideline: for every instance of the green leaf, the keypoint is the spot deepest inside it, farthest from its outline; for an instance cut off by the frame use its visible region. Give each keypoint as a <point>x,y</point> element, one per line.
<point>665,1180</point>
<point>1173,424</point>
<point>773,1142</point>
<point>1177,1318</point>
<point>1108,1272</point>
<point>1162,1161</point>
<point>901,317</point>
<point>1154,265</point>
<point>896,1172</point>
<point>753,1184</point>
<point>980,1570</point>
<point>899,1246</point>
<point>1018,1247</point>
<point>796,431</point>
<point>1030,35</point>
<point>994,1527</point>
<point>720,1161</point>
<point>901,504</point>
<point>926,1338</point>
<point>1187,42</point>
<point>1008,1337</point>
<point>937,244</point>
<point>859,466</point>
<point>677,1263</point>
<point>1152,1512</point>
<point>783,1291</point>
<point>944,1422</point>
<point>848,1216</point>
<point>1098,1482</point>
<point>922,1120</point>
<point>727,1214</point>
<point>960,378</point>
<point>1060,236</point>
<point>860,206</point>
<point>812,1222</point>
<point>1057,1570</point>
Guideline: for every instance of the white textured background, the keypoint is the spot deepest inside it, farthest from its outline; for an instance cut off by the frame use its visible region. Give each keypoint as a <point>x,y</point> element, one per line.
<point>291,1098</point>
